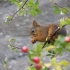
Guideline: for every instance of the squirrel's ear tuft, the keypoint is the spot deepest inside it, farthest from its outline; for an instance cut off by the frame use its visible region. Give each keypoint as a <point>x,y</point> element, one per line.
<point>35,23</point>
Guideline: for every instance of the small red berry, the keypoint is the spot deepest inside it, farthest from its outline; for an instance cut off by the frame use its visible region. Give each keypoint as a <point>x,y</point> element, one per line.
<point>67,39</point>
<point>24,49</point>
<point>36,59</point>
<point>38,66</point>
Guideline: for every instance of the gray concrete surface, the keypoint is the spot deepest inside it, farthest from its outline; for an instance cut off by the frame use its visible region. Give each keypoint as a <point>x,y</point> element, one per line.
<point>19,29</point>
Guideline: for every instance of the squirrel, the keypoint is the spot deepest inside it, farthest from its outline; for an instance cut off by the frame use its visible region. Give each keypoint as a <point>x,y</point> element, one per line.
<point>41,33</point>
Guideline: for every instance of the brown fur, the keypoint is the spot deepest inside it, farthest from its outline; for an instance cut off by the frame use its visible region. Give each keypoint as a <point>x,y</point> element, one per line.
<point>40,33</point>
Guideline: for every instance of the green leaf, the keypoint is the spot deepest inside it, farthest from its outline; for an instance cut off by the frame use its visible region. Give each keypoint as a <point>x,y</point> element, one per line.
<point>8,19</point>
<point>51,47</point>
<point>31,7</point>
<point>68,20</point>
<point>57,67</point>
<point>12,39</point>
<point>6,63</point>
<point>37,2</point>
<point>19,4</point>
<point>44,68</point>
<point>31,68</point>
<point>61,44</point>
<point>31,1</point>
<point>53,61</point>
<point>64,22</point>
<point>52,56</point>
<point>22,12</point>
<point>14,49</point>
<point>31,54</point>
<point>36,51</point>
<point>57,10</point>
<point>50,51</point>
<point>32,12</point>
<point>68,47</point>
<point>8,22</point>
<point>48,65</point>
<point>48,55</point>
<point>5,60</point>
<point>38,11</point>
<point>38,48</point>
<point>59,50</point>
<point>64,63</point>
<point>13,1</point>
<point>64,10</point>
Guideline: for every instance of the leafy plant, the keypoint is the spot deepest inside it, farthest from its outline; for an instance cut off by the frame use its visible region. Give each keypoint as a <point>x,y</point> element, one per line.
<point>5,62</point>
<point>61,44</point>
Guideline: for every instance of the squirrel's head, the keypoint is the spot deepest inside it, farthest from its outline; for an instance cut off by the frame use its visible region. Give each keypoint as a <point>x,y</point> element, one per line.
<point>38,32</point>
<point>35,28</point>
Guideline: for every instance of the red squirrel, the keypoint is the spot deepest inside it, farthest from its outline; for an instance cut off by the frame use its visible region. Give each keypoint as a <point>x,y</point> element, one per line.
<point>40,33</point>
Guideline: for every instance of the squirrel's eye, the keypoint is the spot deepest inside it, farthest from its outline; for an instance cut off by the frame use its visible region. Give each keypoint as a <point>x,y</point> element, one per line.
<point>33,30</point>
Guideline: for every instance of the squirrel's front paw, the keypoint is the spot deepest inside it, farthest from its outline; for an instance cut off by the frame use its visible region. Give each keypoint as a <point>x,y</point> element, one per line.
<point>33,40</point>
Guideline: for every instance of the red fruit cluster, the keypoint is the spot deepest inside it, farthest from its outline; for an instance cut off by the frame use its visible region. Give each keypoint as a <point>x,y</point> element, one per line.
<point>37,62</point>
<point>24,49</point>
<point>67,39</point>
<point>38,66</point>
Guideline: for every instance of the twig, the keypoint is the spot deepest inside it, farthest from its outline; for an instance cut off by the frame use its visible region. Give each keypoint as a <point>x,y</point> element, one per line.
<point>56,54</point>
<point>19,9</point>
<point>52,35</point>
<point>61,7</point>
<point>13,46</point>
<point>58,5</point>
